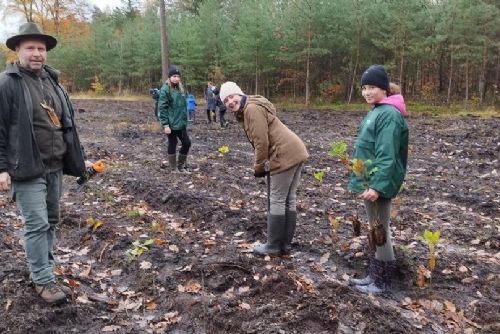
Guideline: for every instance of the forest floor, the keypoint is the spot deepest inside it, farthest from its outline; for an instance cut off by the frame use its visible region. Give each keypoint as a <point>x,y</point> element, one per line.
<point>199,275</point>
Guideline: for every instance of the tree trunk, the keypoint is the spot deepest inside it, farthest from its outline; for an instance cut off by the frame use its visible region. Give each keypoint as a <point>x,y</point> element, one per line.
<point>466,100</point>
<point>497,79</point>
<point>308,61</point>
<point>448,97</point>
<point>401,67</point>
<point>56,16</point>
<point>256,72</point>
<point>355,69</point>
<point>482,75</point>
<point>417,84</point>
<point>164,42</point>
<point>120,68</point>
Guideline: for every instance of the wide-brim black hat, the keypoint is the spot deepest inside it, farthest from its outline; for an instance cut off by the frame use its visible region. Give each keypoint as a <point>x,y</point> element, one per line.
<point>30,30</point>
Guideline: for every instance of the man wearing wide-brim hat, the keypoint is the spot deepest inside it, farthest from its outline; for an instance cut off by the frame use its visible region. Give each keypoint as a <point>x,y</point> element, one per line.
<point>38,143</point>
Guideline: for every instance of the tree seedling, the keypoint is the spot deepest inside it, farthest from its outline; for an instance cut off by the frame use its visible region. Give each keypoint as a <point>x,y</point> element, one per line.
<point>318,175</point>
<point>334,224</point>
<point>223,150</point>
<point>138,248</point>
<point>338,149</point>
<point>431,239</point>
<point>361,169</point>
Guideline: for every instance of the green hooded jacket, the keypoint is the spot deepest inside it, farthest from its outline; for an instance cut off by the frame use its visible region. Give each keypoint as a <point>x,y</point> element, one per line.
<point>383,139</point>
<point>172,108</point>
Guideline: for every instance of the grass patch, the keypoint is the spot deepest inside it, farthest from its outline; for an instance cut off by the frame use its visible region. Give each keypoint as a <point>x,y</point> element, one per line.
<point>151,127</point>
<point>457,110</point>
<point>90,96</point>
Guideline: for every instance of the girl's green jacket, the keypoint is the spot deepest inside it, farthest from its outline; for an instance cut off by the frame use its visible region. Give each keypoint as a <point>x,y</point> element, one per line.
<point>172,108</point>
<point>383,140</point>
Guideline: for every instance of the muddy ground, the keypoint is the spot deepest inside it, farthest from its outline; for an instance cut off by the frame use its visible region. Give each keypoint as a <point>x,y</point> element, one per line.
<point>198,275</point>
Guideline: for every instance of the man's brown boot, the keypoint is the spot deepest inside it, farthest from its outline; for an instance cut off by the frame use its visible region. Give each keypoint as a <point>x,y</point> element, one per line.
<point>50,292</point>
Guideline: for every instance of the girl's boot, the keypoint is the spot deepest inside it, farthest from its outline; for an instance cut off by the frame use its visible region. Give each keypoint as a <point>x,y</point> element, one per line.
<point>369,277</point>
<point>181,164</point>
<point>172,162</point>
<point>384,271</point>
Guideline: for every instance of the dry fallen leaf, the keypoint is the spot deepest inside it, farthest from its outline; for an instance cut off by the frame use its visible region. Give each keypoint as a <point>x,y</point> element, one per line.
<point>8,304</point>
<point>244,306</point>
<point>83,299</point>
<point>423,276</point>
<point>150,305</point>
<point>74,284</point>
<point>112,328</point>
<point>450,306</point>
<point>243,289</point>
<point>145,265</point>
<point>173,248</point>
<point>193,287</point>
<point>463,269</point>
<point>172,317</point>
<point>209,242</point>
<point>324,258</point>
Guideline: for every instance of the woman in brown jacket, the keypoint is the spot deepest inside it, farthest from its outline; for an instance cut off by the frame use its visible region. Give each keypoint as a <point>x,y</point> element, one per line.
<point>278,152</point>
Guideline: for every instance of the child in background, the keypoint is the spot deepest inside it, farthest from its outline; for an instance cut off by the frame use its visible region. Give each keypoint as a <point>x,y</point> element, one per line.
<point>222,109</point>
<point>382,139</point>
<point>210,102</point>
<point>155,95</point>
<point>191,107</point>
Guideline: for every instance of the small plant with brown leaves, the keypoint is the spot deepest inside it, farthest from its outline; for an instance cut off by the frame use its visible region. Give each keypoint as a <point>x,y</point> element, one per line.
<point>363,169</point>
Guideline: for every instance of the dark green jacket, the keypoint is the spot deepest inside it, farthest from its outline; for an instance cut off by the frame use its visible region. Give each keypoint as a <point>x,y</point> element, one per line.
<point>172,107</point>
<point>383,139</point>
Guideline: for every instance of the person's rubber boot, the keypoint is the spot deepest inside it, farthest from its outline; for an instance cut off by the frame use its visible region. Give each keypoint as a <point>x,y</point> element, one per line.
<point>369,277</point>
<point>172,163</point>
<point>291,223</point>
<point>50,292</point>
<point>384,270</point>
<point>275,236</point>
<point>181,164</point>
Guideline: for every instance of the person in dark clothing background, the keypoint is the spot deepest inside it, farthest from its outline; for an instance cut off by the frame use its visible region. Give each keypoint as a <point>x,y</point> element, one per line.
<point>222,109</point>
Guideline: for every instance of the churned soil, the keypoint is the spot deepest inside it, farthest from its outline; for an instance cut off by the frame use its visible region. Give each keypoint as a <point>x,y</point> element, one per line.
<point>191,269</point>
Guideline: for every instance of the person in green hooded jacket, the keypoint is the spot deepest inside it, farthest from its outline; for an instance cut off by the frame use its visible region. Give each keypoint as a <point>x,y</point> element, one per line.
<point>172,113</point>
<point>382,144</point>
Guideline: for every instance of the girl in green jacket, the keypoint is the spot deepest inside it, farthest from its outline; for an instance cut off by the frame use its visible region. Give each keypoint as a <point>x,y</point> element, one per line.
<point>173,120</point>
<point>382,144</point>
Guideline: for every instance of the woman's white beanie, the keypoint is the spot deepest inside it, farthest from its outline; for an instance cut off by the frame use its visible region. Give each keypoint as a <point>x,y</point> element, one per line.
<point>229,88</point>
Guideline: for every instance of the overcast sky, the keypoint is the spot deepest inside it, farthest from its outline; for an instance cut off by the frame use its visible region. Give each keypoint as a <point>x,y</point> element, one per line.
<point>9,25</point>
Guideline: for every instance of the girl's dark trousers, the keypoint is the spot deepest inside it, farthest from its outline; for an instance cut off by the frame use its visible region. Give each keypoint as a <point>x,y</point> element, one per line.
<point>184,138</point>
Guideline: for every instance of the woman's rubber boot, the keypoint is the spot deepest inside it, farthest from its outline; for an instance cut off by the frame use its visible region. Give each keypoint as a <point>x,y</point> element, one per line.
<point>181,164</point>
<point>276,225</point>
<point>172,163</point>
<point>291,223</point>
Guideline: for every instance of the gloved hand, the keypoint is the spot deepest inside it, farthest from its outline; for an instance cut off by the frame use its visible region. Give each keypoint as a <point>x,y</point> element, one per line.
<point>260,174</point>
